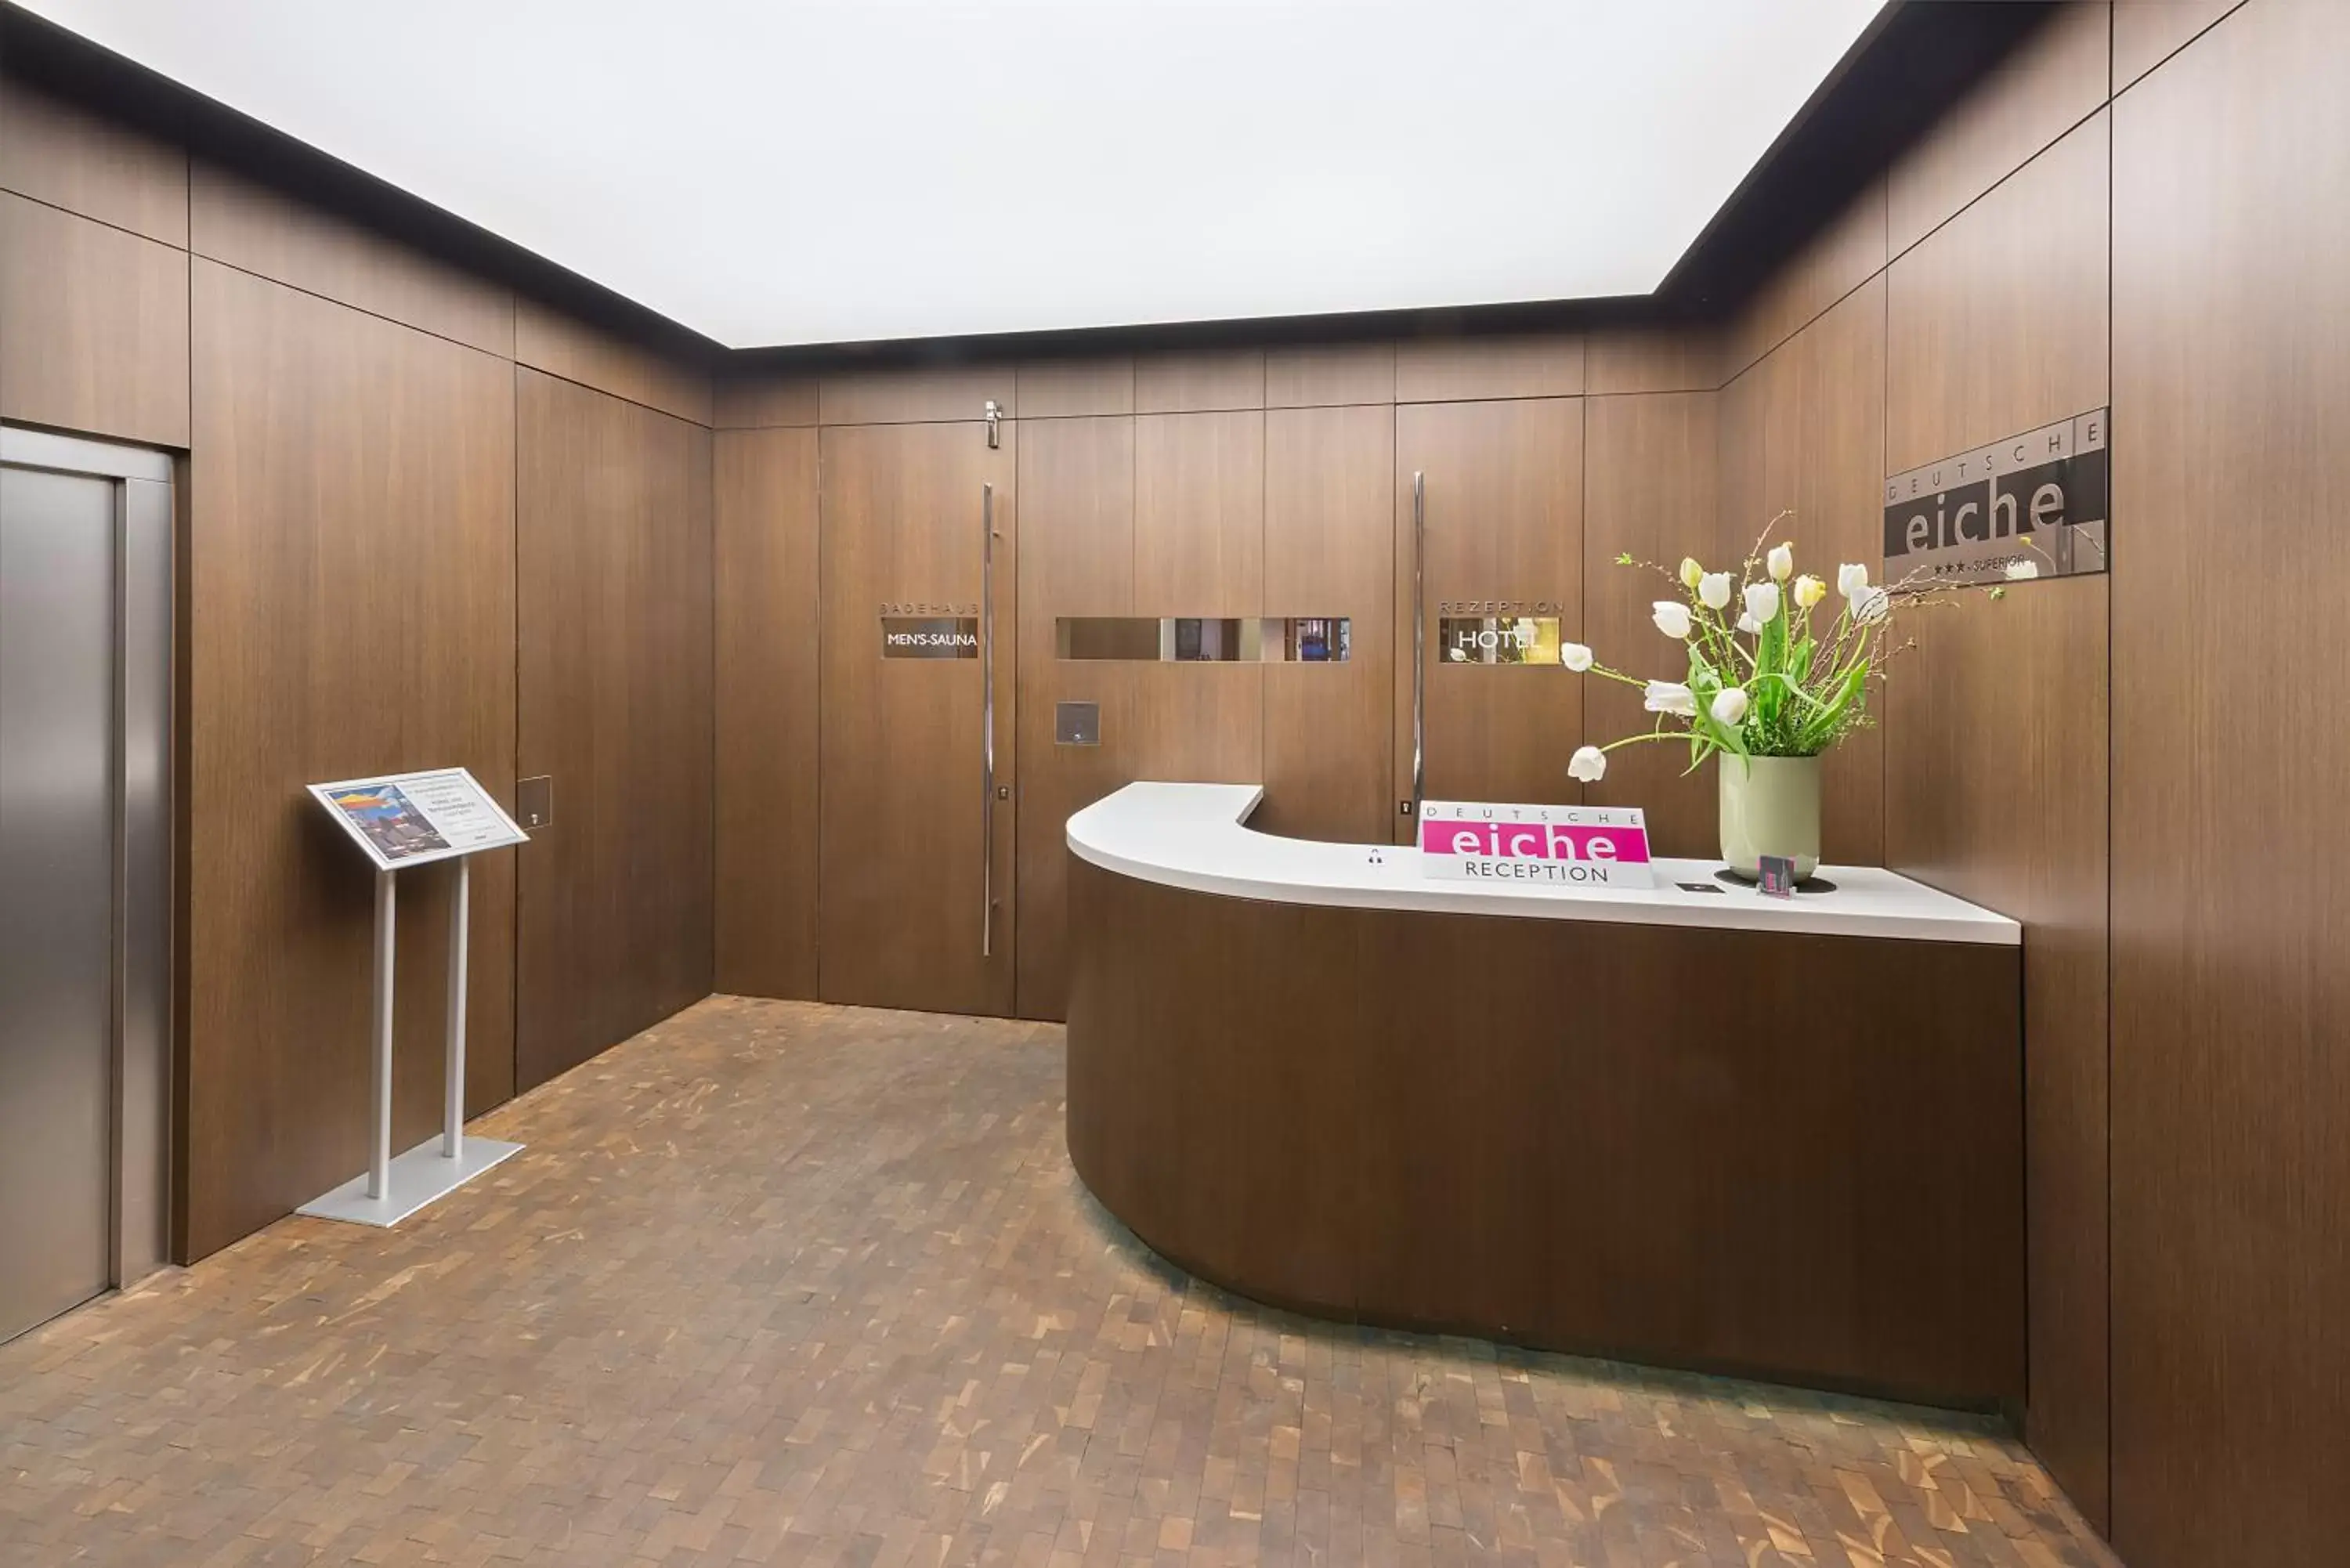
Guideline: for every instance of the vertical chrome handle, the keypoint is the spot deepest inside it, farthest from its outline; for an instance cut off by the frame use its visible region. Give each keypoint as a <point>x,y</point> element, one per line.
<point>1418,648</point>
<point>987,721</point>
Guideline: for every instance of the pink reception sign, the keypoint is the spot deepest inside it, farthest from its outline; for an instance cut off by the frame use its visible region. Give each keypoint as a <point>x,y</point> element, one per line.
<point>1568,845</point>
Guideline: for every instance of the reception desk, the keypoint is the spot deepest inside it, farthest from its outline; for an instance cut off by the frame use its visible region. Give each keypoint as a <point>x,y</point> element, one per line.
<point>1781,1138</point>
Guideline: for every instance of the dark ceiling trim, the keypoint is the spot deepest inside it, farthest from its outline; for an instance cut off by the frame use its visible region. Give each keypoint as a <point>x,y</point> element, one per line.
<point>1243,332</point>
<point>1907,69</point>
<point>1911,65</point>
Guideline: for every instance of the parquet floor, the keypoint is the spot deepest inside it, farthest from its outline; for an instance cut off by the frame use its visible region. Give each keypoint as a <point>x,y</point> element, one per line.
<point>783,1283</point>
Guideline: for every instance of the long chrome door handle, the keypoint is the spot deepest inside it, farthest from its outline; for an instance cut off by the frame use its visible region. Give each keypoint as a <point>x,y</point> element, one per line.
<point>987,721</point>
<point>1418,648</point>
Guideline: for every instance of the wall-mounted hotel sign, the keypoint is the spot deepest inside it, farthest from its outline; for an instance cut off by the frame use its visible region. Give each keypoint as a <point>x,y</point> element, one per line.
<point>1498,631</point>
<point>2034,502</point>
<point>930,631</point>
<point>1564,845</point>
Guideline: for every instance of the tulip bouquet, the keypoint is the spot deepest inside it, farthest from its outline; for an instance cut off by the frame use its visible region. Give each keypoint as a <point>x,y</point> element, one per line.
<point>1768,676</point>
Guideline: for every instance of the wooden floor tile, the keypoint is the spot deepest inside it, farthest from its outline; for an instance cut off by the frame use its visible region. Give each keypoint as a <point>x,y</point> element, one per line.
<point>783,1283</point>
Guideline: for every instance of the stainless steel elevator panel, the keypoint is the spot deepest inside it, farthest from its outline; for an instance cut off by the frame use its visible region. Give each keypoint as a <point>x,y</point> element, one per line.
<point>84,790</point>
<point>57,891</point>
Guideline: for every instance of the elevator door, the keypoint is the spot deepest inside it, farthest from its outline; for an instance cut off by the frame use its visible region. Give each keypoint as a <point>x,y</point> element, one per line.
<point>915,857</point>
<point>57,891</point>
<point>84,861</point>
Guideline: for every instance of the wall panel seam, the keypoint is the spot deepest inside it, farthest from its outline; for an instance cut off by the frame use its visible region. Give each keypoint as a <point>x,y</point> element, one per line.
<point>92,218</point>
<point>590,387</point>
<point>194,256</point>
<point>1988,191</point>
<point>1809,322</point>
<point>2185,44</point>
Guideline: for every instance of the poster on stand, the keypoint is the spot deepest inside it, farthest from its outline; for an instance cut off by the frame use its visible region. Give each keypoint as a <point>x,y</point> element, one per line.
<point>412,819</point>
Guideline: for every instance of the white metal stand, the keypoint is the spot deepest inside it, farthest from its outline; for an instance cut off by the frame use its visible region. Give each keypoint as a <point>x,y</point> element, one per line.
<point>391,1189</point>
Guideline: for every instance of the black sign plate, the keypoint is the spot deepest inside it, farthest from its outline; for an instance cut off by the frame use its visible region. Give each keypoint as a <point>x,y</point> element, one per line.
<point>2032,505</point>
<point>929,636</point>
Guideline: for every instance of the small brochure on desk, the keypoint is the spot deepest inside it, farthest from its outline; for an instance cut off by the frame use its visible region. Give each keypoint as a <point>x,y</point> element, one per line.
<point>408,819</point>
<point>1535,845</point>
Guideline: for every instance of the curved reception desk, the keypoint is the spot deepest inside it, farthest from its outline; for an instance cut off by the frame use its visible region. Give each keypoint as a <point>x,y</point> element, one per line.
<point>1778,1137</point>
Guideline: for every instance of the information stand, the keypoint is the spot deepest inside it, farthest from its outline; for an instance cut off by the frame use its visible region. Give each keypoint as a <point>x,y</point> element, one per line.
<point>404,820</point>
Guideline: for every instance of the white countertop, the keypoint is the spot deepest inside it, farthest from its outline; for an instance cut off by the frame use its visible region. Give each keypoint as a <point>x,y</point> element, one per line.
<point>1195,836</point>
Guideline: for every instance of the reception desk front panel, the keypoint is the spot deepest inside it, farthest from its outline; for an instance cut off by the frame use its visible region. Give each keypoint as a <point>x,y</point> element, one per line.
<point>1773,1152</point>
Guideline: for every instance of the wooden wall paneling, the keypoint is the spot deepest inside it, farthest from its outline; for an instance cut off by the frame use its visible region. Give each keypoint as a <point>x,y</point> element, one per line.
<point>1679,359</point>
<point>1505,484</point>
<point>1199,382</point>
<point>1525,364</point>
<point>2231,998</point>
<point>925,395</point>
<point>764,401</point>
<point>2055,81</point>
<point>350,560</point>
<point>2147,32</point>
<point>1327,375</point>
<point>1845,254</point>
<point>1058,388</point>
<point>59,154</point>
<point>1198,722</point>
<point>1998,322</point>
<point>1995,785</point>
<point>250,226</point>
<point>1076,558</point>
<point>1648,489</point>
<point>1329,550</point>
<point>614,650</point>
<point>95,320</point>
<point>1199,550</point>
<point>1839,362</point>
<point>1759,470</point>
<point>905,907</point>
<point>548,341</point>
<point>767,608</point>
<point>1199,514</point>
<point>1802,432</point>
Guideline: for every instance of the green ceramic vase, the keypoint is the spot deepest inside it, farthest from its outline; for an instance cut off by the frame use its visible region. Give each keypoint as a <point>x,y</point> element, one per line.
<point>1770,805</point>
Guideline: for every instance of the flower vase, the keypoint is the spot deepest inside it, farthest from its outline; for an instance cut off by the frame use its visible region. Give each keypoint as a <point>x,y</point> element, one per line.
<point>1770,805</point>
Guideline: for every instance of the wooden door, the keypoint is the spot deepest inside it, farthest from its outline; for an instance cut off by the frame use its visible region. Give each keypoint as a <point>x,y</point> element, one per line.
<point>916,856</point>
<point>1502,524</point>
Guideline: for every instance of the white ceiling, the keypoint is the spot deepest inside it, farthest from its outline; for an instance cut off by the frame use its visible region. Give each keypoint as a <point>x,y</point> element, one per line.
<point>806,172</point>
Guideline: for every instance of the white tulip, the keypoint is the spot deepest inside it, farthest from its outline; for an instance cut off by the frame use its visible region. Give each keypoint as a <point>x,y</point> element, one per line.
<point>1589,763</point>
<point>1748,624</point>
<point>1574,656</point>
<point>1670,696</point>
<point>1781,562</point>
<point>1762,602</point>
<point>1729,705</point>
<point>1690,571</point>
<point>1672,617</point>
<point>1871,605</point>
<point>1810,590</point>
<point>2023,571</point>
<point>1851,578</point>
<point>1714,589</point>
